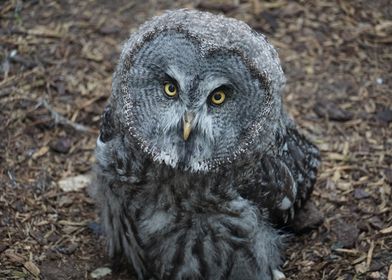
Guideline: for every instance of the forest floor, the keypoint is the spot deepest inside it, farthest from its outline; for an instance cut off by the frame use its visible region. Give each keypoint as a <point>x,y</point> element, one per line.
<point>56,64</point>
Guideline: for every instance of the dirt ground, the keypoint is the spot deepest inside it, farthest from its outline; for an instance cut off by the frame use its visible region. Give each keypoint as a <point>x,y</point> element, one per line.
<point>56,63</point>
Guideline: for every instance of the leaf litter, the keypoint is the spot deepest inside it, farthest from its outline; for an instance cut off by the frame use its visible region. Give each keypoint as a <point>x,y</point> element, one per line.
<point>56,63</point>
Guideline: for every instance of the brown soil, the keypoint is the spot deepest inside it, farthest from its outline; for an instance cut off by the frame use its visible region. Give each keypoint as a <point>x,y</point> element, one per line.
<point>57,57</point>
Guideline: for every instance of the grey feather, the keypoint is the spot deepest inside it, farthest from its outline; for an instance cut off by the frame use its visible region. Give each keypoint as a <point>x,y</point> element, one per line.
<point>207,207</point>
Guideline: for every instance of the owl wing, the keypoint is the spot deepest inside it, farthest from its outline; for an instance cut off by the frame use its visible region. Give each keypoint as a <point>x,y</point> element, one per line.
<point>110,191</point>
<point>282,182</point>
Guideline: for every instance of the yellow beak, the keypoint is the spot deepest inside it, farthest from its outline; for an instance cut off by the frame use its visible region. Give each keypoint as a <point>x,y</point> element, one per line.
<point>187,125</point>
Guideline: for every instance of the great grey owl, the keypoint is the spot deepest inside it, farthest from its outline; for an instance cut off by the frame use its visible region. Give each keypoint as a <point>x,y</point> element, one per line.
<point>198,163</point>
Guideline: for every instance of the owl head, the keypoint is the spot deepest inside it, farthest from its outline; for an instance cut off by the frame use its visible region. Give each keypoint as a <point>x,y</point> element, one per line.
<point>195,90</point>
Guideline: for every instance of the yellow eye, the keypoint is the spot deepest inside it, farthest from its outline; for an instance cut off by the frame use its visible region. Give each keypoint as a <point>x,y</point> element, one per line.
<point>218,97</point>
<point>170,89</point>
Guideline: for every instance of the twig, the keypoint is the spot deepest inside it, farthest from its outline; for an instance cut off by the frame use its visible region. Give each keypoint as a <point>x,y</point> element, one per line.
<point>127,7</point>
<point>59,119</point>
<point>23,76</point>
<point>370,254</point>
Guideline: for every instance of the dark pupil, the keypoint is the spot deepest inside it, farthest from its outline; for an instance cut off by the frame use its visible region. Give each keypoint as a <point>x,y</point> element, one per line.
<point>172,88</point>
<point>218,96</point>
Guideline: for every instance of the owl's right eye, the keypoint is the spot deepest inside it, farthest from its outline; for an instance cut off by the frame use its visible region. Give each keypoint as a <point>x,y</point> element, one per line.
<point>170,89</point>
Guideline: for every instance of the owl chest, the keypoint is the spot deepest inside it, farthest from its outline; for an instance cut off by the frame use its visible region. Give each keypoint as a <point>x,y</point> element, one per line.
<point>178,223</point>
<point>166,208</point>
<point>181,234</point>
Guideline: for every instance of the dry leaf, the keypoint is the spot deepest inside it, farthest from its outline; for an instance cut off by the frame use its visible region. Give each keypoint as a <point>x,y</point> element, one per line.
<point>32,268</point>
<point>387,230</point>
<point>14,257</point>
<point>42,151</point>
<point>75,183</point>
<point>100,272</point>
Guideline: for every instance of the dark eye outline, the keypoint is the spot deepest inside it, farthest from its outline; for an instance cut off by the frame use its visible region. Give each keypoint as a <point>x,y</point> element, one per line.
<point>224,90</point>
<point>167,83</point>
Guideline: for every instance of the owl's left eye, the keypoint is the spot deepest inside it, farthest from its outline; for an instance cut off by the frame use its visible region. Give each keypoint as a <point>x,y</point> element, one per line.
<point>170,89</point>
<point>218,97</point>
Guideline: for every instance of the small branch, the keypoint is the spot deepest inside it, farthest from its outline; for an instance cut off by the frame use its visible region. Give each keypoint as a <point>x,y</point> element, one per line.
<point>59,119</point>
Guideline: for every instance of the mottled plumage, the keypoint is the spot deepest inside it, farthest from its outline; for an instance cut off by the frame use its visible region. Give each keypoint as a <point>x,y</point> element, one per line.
<point>202,207</point>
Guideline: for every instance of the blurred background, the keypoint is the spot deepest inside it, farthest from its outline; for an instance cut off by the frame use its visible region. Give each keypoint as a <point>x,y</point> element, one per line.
<point>56,65</point>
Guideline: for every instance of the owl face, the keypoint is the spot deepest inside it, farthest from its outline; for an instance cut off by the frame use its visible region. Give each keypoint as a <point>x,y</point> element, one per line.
<point>189,108</point>
<point>194,90</point>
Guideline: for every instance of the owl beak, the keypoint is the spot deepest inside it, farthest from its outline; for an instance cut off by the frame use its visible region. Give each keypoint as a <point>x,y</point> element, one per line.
<point>187,125</point>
